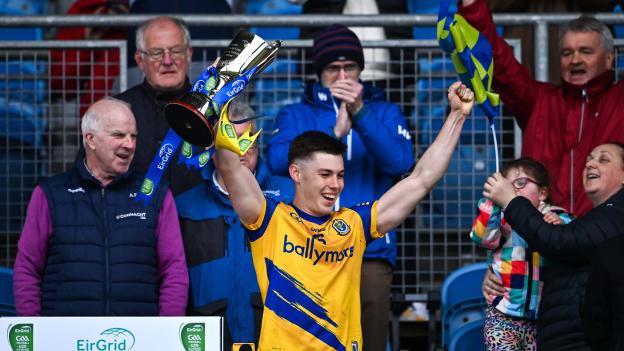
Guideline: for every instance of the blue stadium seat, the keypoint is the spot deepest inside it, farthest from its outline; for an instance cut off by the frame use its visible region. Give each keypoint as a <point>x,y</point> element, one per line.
<point>476,129</point>
<point>21,94</point>
<point>431,7</point>
<point>468,338</point>
<point>436,65</point>
<point>22,8</point>
<point>274,7</point>
<point>21,122</point>
<point>7,303</point>
<point>426,7</point>
<point>281,68</point>
<point>272,94</point>
<point>19,172</point>
<point>22,67</point>
<point>31,91</point>
<point>619,34</point>
<point>461,300</point>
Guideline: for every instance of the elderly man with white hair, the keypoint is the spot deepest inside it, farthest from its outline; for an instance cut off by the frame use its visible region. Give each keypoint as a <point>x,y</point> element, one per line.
<point>88,248</point>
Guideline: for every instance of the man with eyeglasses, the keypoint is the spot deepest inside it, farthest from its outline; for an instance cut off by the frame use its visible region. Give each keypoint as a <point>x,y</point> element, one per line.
<point>164,55</point>
<point>379,150</point>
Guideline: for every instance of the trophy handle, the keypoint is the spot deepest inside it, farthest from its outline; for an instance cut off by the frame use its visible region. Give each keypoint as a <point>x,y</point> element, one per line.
<point>266,57</point>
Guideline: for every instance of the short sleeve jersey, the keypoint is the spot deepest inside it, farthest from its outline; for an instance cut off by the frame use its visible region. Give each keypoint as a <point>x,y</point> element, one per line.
<point>308,269</point>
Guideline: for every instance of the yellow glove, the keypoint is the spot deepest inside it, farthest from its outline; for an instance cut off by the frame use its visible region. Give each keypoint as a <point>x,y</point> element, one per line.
<point>226,135</point>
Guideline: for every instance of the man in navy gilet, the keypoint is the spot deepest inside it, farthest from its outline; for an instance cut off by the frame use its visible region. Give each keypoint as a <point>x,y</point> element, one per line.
<point>87,247</point>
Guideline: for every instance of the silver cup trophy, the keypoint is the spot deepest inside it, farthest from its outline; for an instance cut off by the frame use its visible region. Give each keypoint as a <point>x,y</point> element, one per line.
<point>195,116</point>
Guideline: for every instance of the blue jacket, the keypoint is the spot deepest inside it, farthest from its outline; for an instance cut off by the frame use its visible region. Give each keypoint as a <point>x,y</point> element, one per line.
<point>379,148</point>
<point>222,277</point>
<point>101,253</point>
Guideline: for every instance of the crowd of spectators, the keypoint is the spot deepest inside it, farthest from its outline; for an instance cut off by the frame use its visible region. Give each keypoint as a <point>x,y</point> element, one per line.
<point>88,248</point>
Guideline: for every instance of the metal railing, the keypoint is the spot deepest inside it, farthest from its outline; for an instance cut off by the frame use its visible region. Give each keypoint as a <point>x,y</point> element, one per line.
<point>540,22</point>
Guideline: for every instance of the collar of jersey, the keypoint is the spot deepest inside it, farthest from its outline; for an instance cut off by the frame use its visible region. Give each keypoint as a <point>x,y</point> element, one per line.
<point>310,218</point>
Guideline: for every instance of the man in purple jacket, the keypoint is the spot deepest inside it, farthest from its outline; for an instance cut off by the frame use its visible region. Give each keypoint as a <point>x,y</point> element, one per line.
<point>87,247</point>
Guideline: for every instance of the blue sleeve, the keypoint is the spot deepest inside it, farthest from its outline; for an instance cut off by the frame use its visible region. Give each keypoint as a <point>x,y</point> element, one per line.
<point>385,134</point>
<point>271,205</point>
<point>364,210</point>
<point>286,188</point>
<point>284,132</point>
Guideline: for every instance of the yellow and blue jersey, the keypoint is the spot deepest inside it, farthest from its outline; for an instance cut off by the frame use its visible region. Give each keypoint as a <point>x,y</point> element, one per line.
<point>308,269</point>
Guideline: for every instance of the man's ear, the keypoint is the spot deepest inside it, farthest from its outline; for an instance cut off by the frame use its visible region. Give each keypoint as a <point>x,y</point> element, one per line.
<point>610,57</point>
<point>89,141</point>
<point>295,172</point>
<point>138,58</point>
<point>189,55</point>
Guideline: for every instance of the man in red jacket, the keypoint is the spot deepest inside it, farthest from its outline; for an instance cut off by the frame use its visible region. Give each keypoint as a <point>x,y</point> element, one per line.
<point>560,125</point>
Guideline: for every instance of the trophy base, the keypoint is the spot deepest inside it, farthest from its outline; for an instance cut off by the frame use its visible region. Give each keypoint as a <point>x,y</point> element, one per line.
<point>189,123</point>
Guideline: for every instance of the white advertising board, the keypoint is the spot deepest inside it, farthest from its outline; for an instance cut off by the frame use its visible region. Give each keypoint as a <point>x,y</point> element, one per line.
<point>111,334</point>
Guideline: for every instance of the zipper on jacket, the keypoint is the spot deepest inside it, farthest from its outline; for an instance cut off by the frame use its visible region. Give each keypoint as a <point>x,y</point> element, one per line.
<point>527,302</point>
<point>336,110</point>
<point>578,140</point>
<point>106,258</point>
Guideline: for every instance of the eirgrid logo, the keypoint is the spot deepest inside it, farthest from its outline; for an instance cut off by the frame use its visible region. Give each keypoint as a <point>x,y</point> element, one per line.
<point>164,153</point>
<point>112,339</point>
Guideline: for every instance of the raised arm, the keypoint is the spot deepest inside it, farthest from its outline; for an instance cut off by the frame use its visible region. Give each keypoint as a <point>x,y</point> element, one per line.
<point>515,84</point>
<point>398,202</point>
<point>245,193</point>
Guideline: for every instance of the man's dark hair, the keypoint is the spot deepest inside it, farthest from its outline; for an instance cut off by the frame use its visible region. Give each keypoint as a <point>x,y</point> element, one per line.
<point>314,141</point>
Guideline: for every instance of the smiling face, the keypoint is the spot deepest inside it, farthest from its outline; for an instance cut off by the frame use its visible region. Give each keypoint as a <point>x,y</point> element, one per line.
<point>603,175</point>
<point>319,180</point>
<point>110,146</point>
<point>526,185</point>
<point>583,57</point>
<point>168,72</point>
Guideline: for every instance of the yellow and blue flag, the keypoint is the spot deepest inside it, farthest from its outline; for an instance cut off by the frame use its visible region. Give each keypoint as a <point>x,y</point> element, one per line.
<point>471,54</point>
